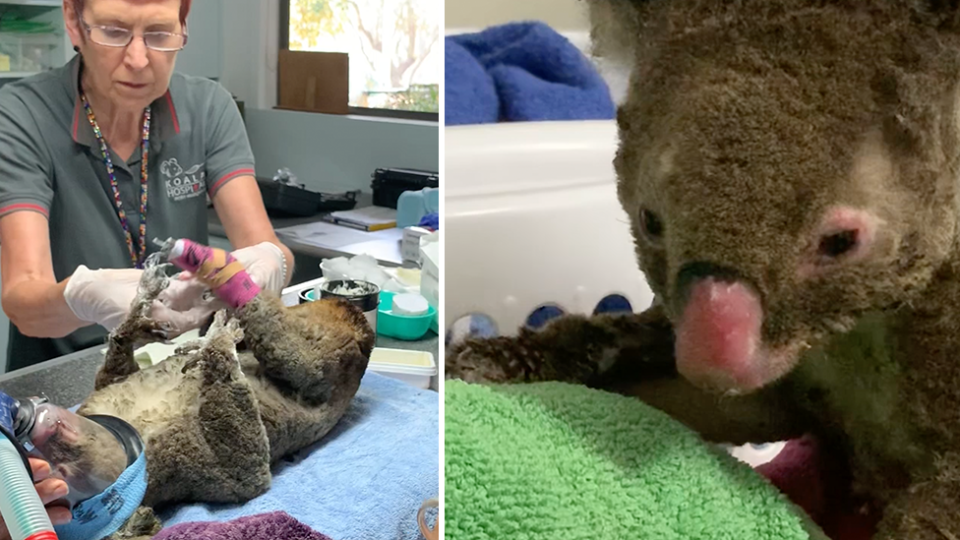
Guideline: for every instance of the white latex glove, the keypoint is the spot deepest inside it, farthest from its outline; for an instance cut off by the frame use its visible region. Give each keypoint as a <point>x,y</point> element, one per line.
<point>266,265</point>
<point>185,304</point>
<point>104,297</point>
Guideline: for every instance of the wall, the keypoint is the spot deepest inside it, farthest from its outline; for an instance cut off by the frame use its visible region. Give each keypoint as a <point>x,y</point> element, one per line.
<point>560,14</point>
<point>337,153</point>
<point>203,53</point>
<point>250,46</point>
<point>326,152</point>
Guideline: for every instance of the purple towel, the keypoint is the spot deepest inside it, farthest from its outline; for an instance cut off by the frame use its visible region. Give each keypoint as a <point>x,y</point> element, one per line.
<point>267,526</point>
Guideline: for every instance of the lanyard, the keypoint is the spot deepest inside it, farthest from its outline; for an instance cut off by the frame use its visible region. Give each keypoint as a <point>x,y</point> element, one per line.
<point>136,259</point>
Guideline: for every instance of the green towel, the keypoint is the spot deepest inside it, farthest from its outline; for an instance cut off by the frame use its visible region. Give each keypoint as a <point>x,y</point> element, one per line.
<point>563,462</point>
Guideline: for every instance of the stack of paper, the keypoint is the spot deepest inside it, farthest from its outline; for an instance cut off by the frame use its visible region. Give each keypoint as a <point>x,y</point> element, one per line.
<point>370,218</point>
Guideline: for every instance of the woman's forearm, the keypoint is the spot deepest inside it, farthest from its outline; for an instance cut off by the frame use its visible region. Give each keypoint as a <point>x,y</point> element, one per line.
<point>38,309</point>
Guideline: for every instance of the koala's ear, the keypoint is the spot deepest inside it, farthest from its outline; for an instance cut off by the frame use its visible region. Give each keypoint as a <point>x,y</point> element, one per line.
<point>615,28</point>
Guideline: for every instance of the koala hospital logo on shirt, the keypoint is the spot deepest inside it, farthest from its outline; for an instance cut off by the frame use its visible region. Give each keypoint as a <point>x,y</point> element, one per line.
<point>183,184</point>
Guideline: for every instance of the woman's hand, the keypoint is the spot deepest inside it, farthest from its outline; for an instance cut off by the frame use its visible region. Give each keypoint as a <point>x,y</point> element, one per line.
<point>104,297</point>
<point>49,489</point>
<point>266,265</point>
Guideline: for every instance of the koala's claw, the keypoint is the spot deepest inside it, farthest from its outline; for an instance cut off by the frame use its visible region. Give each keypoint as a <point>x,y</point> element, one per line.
<point>219,343</point>
<point>140,329</point>
<point>189,347</point>
<point>474,361</point>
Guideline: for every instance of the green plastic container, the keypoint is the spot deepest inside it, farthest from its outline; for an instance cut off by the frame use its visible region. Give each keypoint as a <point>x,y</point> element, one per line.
<point>405,327</point>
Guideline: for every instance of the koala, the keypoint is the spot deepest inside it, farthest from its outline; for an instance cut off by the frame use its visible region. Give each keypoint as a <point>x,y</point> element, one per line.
<point>790,170</point>
<point>264,382</point>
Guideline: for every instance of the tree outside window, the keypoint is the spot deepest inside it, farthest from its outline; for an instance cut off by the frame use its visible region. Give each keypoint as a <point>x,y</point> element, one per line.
<point>393,46</point>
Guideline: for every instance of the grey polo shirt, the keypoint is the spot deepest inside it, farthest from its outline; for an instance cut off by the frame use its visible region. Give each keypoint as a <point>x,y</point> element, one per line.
<point>50,163</point>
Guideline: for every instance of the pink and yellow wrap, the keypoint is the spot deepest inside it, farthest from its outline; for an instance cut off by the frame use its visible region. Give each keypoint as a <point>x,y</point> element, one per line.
<point>217,269</point>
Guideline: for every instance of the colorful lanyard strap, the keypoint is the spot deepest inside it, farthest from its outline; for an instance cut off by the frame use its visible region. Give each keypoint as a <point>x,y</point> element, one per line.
<point>136,259</point>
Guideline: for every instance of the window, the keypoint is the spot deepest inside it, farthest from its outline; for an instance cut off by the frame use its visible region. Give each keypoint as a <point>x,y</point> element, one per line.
<point>393,46</point>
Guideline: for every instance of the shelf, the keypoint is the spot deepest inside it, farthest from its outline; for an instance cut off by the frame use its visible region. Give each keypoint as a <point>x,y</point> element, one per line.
<point>17,74</point>
<point>38,39</point>
<point>37,3</point>
<point>30,52</point>
<point>28,10</point>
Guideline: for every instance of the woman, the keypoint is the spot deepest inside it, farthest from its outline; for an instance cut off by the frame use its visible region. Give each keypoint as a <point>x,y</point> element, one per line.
<point>104,155</point>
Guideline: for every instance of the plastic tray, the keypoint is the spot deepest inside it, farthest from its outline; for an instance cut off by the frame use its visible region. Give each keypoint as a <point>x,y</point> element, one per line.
<point>412,367</point>
<point>287,199</point>
<point>297,201</point>
<point>388,184</point>
<point>409,328</point>
<point>337,202</point>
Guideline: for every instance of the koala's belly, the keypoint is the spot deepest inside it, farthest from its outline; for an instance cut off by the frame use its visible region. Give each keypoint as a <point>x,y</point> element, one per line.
<point>151,399</point>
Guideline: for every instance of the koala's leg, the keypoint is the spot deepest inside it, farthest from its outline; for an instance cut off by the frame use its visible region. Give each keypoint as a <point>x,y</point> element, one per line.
<point>573,349</point>
<point>319,350</point>
<point>630,355</point>
<point>229,424</point>
<point>142,525</point>
<point>135,330</point>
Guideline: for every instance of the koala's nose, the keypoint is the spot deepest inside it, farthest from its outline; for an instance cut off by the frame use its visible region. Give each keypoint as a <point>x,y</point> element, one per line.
<point>696,271</point>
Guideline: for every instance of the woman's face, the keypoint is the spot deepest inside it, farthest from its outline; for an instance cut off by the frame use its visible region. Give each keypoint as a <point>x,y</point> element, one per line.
<point>132,76</point>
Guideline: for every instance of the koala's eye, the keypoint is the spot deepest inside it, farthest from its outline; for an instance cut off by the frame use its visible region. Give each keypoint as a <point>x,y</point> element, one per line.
<point>838,244</point>
<point>651,224</point>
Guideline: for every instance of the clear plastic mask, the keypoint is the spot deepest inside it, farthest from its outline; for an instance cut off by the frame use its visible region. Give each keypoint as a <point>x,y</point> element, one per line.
<point>86,455</point>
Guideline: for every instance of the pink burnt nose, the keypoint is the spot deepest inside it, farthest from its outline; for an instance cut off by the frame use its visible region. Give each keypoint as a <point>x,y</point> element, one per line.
<point>718,337</point>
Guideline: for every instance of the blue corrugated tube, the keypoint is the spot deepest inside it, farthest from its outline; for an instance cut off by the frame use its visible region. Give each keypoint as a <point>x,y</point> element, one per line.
<point>20,504</point>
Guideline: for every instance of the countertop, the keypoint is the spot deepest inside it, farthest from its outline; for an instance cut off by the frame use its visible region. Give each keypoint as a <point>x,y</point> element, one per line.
<point>278,222</point>
<point>386,251</point>
<point>216,227</point>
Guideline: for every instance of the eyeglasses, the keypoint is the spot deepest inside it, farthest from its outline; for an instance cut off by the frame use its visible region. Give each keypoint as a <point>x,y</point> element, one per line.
<point>112,36</point>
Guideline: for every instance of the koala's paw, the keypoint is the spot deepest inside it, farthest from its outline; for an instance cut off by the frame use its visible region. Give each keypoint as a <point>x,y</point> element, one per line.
<point>139,329</point>
<point>189,347</point>
<point>142,525</point>
<point>216,366</point>
<point>497,360</point>
<point>137,325</point>
<point>153,281</point>
<point>217,351</point>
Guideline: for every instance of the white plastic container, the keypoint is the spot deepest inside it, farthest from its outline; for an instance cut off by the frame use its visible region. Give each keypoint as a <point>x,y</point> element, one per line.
<point>430,274</point>
<point>531,217</point>
<point>415,368</point>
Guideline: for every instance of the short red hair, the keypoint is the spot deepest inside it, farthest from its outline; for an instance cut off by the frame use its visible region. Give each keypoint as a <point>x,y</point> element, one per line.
<point>184,9</point>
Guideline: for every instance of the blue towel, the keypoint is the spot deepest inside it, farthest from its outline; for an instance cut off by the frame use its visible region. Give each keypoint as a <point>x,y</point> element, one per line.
<point>521,72</point>
<point>365,480</point>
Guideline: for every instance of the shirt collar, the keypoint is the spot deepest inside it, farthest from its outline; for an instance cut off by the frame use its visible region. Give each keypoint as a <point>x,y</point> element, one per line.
<point>164,123</point>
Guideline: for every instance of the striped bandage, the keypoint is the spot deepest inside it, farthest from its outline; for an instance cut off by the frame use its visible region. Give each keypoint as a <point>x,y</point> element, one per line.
<point>217,269</point>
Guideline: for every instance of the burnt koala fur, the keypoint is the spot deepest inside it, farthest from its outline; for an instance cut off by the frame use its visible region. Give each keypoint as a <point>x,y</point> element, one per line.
<point>213,419</point>
<point>747,123</point>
